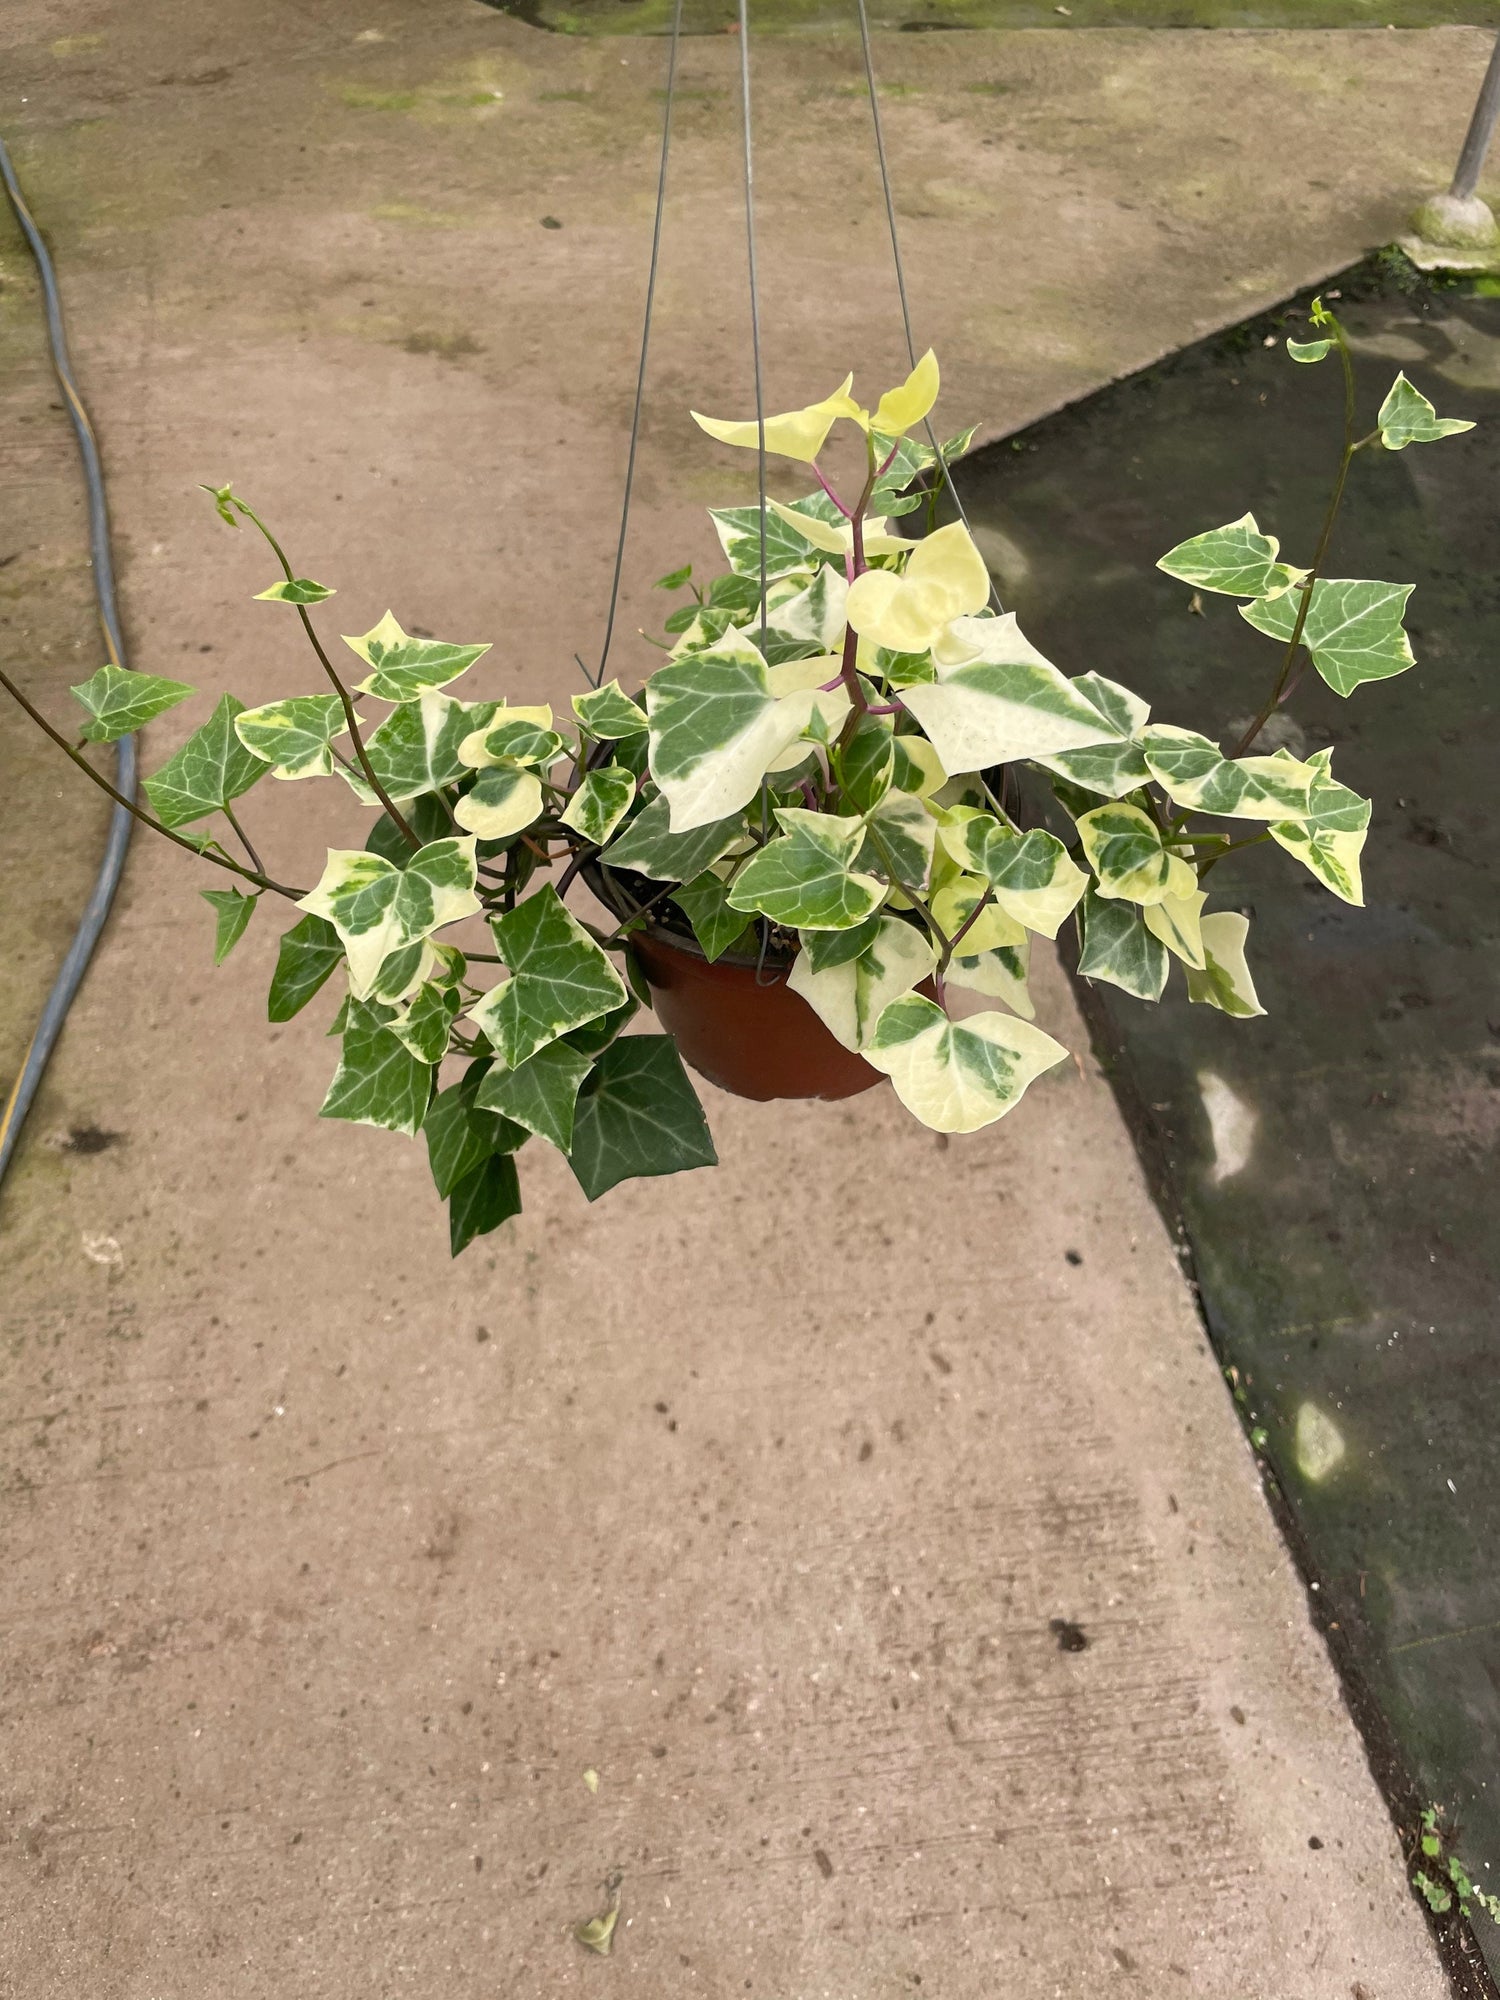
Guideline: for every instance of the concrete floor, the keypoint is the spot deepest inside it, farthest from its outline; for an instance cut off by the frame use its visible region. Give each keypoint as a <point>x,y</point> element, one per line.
<point>331,1566</point>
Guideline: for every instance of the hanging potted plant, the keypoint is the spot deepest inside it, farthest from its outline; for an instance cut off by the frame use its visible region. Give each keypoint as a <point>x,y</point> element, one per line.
<point>802,828</point>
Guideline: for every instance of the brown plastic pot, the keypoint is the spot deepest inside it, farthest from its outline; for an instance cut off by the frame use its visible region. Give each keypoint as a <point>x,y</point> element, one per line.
<point>738,1024</point>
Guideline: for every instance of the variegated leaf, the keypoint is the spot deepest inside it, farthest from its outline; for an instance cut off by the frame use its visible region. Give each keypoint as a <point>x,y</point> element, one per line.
<point>294,737</point>
<point>500,802</point>
<point>600,803</point>
<point>415,750</point>
<point>1406,417</point>
<point>378,1081</point>
<point>1004,701</point>
<point>1353,629</point>
<point>120,701</point>
<point>379,910</point>
<point>808,879</point>
<point>1237,560</point>
<point>294,590</point>
<point>607,713</point>
<point>1176,920</point>
<point>849,998</point>
<point>1126,851</point>
<point>1331,836</point>
<point>403,667</point>
<point>1225,981</point>
<point>1194,772</point>
<point>1118,948</point>
<point>1000,975</point>
<point>649,847</point>
<point>1110,769</point>
<point>232,912</point>
<point>954,907</point>
<point>559,979</point>
<point>423,1022</point>
<point>899,841</point>
<point>956,1076</point>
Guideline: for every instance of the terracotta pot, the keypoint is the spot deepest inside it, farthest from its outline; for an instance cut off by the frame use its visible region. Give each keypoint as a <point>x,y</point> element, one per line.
<point>750,1035</point>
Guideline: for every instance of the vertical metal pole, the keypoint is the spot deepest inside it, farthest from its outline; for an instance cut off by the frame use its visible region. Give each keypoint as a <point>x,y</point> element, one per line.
<point>1481,126</point>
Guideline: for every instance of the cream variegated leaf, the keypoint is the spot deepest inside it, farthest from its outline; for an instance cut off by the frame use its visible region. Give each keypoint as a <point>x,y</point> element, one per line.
<point>1406,417</point>
<point>1176,921</point>
<point>403,667</point>
<point>1225,981</point>
<point>1353,629</point>
<point>944,580</point>
<point>1194,772</point>
<point>999,975</point>
<point>1331,837</point>
<point>1003,701</point>
<point>600,803</point>
<point>956,1076</point>
<point>379,1080</point>
<point>1126,850</point>
<point>798,434</point>
<point>1114,768</point>
<point>901,835</point>
<point>416,749</point>
<point>294,737</point>
<point>808,878</point>
<point>968,905</point>
<point>379,910</point>
<point>849,998</point>
<point>1118,948</point>
<point>607,713</point>
<point>1237,560</point>
<point>502,801</point>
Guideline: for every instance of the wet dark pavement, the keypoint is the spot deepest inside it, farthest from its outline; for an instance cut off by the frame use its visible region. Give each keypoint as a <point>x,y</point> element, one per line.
<point>1334,1164</point>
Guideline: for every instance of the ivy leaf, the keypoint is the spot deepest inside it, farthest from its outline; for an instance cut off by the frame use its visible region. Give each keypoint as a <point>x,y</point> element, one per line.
<point>461,1135</point>
<point>1118,948</point>
<point>739,535</point>
<point>1194,772</point>
<point>560,979</point>
<point>866,763</point>
<point>1035,881</point>
<point>212,768</point>
<point>1128,854</point>
<point>1000,974</point>
<point>1353,629</point>
<point>901,836</point>
<point>232,912</point>
<point>1308,351</point>
<point>637,1116</point>
<point>1237,560</point>
<point>309,952</point>
<point>428,819</point>
<point>673,580</point>
<point>1406,417</point>
<point>514,737</point>
<point>502,801</point>
<point>378,1081</point>
<point>416,749</point>
<point>294,737</point>
<point>1225,981</point>
<point>423,1023</point>
<point>705,903</point>
<point>849,998</point>
<point>957,1076</point>
<point>718,724</point>
<point>380,910</point>
<point>1329,837</point>
<point>484,1199</point>
<point>600,803</point>
<point>1112,768</point>
<point>1177,922</point>
<point>814,617</point>
<point>807,879</point>
<point>607,713</point>
<point>649,847</point>
<point>826,949</point>
<point>120,701</point>
<point>294,590</point>
<point>405,668</point>
<point>1004,702</point>
<point>541,1093</point>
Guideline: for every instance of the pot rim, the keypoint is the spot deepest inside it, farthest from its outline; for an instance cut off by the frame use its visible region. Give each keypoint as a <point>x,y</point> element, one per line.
<point>606,885</point>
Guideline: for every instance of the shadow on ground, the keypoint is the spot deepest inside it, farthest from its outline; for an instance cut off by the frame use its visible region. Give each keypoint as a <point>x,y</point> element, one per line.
<point>1334,1163</point>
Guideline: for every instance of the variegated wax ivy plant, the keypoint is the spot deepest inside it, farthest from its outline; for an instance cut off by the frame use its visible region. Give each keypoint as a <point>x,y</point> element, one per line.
<point>821,772</point>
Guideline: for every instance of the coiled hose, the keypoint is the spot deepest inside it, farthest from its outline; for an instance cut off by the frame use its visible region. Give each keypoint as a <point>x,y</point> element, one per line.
<point>92,922</point>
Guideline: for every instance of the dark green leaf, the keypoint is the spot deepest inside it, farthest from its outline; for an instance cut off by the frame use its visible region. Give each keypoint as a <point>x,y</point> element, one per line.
<point>483,1199</point>
<point>541,1094</point>
<point>675,579</point>
<point>461,1135</point>
<point>826,949</point>
<point>638,1115</point>
<point>427,819</point>
<point>705,903</point>
<point>309,952</point>
<point>649,846</point>
<point>596,1035</point>
<point>233,912</point>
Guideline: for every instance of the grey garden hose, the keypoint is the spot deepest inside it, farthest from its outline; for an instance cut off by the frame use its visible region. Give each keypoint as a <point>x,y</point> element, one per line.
<point>92,922</point>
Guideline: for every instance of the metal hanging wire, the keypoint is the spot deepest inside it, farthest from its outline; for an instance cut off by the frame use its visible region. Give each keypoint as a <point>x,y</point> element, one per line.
<point>640,377</point>
<point>760,401</point>
<point>890,217</point>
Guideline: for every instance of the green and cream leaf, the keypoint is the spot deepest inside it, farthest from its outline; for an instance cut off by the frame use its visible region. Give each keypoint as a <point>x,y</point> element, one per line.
<point>1353,629</point>
<point>294,737</point>
<point>501,802</point>
<point>808,878</point>
<point>849,998</point>
<point>957,1076</point>
<point>607,713</point>
<point>120,701</point>
<point>648,846</point>
<point>212,768</point>
<point>1194,772</point>
<point>1330,837</point>
<point>294,590</point>
<point>403,667</point>
<point>600,803</point>
<point>559,980</point>
<point>1225,981</point>
<point>1118,948</point>
<point>378,1081</point>
<point>416,749</point>
<point>1406,417</point>
<point>1003,701</point>
<point>1126,850</point>
<point>1238,560</point>
<point>380,910</point>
